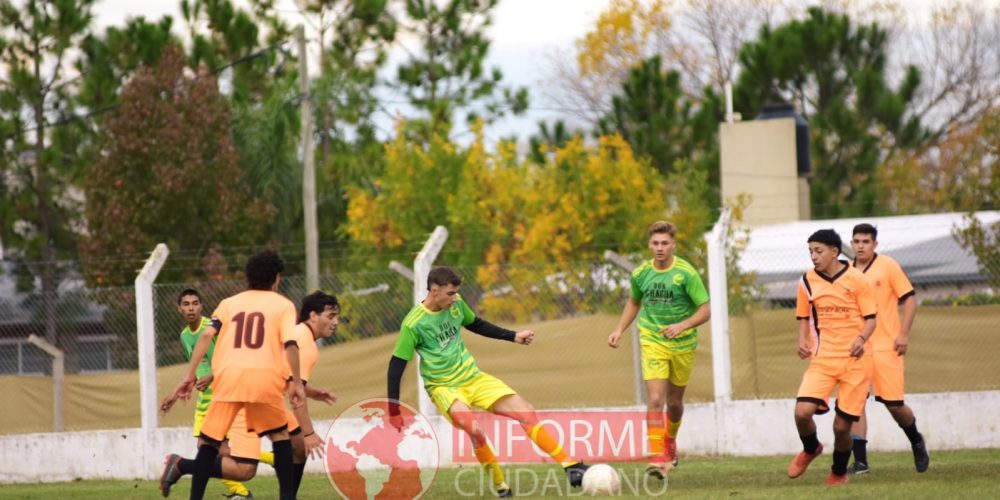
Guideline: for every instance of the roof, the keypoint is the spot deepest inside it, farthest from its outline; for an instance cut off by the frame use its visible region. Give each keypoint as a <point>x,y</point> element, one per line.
<point>924,245</point>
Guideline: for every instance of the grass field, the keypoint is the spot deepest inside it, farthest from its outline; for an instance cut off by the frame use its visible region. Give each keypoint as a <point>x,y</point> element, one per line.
<point>970,474</point>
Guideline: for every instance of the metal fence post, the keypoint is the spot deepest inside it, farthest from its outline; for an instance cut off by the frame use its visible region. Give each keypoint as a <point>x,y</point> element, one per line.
<point>640,386</point>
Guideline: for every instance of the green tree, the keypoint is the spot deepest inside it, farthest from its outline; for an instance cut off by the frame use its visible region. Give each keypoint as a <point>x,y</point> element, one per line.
<point>834,71</point>
<point>660,122</point>
<point>447,74</point>
<point>36,46</point>
<point>167,172</point>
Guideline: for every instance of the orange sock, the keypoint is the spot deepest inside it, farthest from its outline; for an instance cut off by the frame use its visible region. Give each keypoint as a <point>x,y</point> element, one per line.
<point>548,444</point>
<point>655,440</point>
<point>486,457</point>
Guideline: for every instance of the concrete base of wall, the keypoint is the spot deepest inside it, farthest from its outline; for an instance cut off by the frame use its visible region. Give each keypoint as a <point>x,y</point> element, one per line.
<point>948,421</point>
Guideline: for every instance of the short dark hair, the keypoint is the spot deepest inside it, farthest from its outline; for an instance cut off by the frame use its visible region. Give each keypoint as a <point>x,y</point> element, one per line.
<point>442,276</point>
<point>262,270</point>
<point>186,292</point>
<point>866,228</point>
<point>827,237</point>
<point>317,302</point>
<point>663,227</point>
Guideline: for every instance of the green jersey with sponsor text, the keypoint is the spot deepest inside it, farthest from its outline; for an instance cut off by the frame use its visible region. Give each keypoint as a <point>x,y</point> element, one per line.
<point>668,296</point>
<point>436,336</point>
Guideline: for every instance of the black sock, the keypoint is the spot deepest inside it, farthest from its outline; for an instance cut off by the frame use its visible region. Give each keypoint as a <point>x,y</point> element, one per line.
<point>911,432</point>
<point>300,469</point>
<point>284,469</point>
<point>810,443</point>
<point>203,464</point>
<point>217,468</point>
<point>860,450</point>
<point>840,459</point>
<point>186,466</point>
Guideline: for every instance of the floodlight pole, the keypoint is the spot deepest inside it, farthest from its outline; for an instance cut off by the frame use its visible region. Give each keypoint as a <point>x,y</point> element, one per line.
<point>308,167</point>
<point>640,386</point>
<point>58,379</point>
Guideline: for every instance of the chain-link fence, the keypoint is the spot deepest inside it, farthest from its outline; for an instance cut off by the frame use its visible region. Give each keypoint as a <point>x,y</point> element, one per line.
<point>572,307</point>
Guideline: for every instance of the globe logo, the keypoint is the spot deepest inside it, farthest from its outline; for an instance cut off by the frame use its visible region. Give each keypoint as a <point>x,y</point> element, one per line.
<point>371,455</point>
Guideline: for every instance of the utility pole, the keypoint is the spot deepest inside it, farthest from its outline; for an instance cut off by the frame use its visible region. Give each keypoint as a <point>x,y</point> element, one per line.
<point>308,169</point>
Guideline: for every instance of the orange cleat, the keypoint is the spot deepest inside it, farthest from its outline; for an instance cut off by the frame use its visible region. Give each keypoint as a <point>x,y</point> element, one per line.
<point>801,462</point>
<point>836,479</point>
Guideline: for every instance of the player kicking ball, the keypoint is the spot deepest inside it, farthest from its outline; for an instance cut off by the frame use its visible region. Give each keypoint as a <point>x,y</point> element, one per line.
<point>454,381</point>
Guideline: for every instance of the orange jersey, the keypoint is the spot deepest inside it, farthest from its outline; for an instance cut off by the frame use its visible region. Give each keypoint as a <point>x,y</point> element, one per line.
<point>891,286</point>
<point>836,307</point>
<point>308,351</point>
<point>249,360</point>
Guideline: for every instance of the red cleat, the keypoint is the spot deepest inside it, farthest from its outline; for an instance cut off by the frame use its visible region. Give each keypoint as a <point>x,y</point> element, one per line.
<point>801,462</point>
<point>836,479</point>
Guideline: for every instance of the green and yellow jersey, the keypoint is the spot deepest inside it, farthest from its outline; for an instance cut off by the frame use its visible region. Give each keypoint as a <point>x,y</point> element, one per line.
<point>667,297</point>
<point>188,340</point>
<point>436,336</point>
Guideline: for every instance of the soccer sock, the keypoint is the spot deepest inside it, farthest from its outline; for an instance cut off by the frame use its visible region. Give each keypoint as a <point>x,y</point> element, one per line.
<point>809,443</point>
<point>299,470</point>
<point>860,449</point>
<point>203,464</point>
<point>840,459</point>
<point>911,432</point>
<point>284,468</point>
<point>655,439</point>
<point>186,466</point>
<point>235,487</point>
<point>267,457</point>
<point>217,468</point>
<point>673,428</point>
<point>486,457</point>
<point>549,445</point>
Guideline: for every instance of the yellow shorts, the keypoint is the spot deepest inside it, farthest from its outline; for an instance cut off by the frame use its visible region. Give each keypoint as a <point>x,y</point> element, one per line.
<point>824,374</point>
<point>480,392</point>
<point>660,363</point>
<point>200,409</point>
<point>887,377</point>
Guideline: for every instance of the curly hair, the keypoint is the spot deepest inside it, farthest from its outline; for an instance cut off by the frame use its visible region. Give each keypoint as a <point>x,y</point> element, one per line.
<point>262,270</point>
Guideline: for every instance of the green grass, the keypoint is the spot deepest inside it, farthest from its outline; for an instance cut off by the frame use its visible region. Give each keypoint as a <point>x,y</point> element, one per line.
<point>970,473</point>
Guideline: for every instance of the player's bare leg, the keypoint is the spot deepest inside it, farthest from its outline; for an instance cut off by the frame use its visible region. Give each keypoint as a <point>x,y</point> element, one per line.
<point>811,447</point>
<point>841,450</point>
<point>903,416</point>
<point>859,444</point>
<point>465,419</point>
<point>675,412</point>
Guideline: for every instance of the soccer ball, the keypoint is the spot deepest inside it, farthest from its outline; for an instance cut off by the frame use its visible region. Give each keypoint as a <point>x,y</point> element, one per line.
<point>601,479</point>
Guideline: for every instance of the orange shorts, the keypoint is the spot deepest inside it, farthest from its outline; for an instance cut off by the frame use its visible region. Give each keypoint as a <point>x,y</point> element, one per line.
<point>887,377</point>
<point>261,418</point>
<point>824,374</point>
<point>246,444</point>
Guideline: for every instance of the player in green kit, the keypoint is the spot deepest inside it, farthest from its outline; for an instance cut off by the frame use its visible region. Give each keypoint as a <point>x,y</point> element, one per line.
<point>454,381</point>
<point>189,305</point>
<point>671,302</point>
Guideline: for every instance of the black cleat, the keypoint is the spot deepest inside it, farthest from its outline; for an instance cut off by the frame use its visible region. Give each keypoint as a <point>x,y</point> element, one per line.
<point>921,459</point>
<point>505,493</point>
<point>575,473</point>
<point>171,473</point>
<point>859,468</point>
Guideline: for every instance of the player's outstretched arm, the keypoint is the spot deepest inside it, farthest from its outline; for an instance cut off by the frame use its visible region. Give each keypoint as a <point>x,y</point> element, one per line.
<point>186,385</point>
<point>480,326</point>
<point>319,394</point>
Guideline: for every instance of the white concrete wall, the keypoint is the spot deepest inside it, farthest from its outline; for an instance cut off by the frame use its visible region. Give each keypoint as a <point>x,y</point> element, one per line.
<point>741,428</point>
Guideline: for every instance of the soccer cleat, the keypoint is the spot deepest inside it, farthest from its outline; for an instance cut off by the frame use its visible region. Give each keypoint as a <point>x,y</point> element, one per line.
<point>657,468</point>
<point>801,462</point>
<point>670,450</point>
<point>171,473</point>
<point>921,459</point>
<point>859,468</point>
<point>237,496</point>
<point>575,473</point>
<point>505,493</point>
<point>836,479</point>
